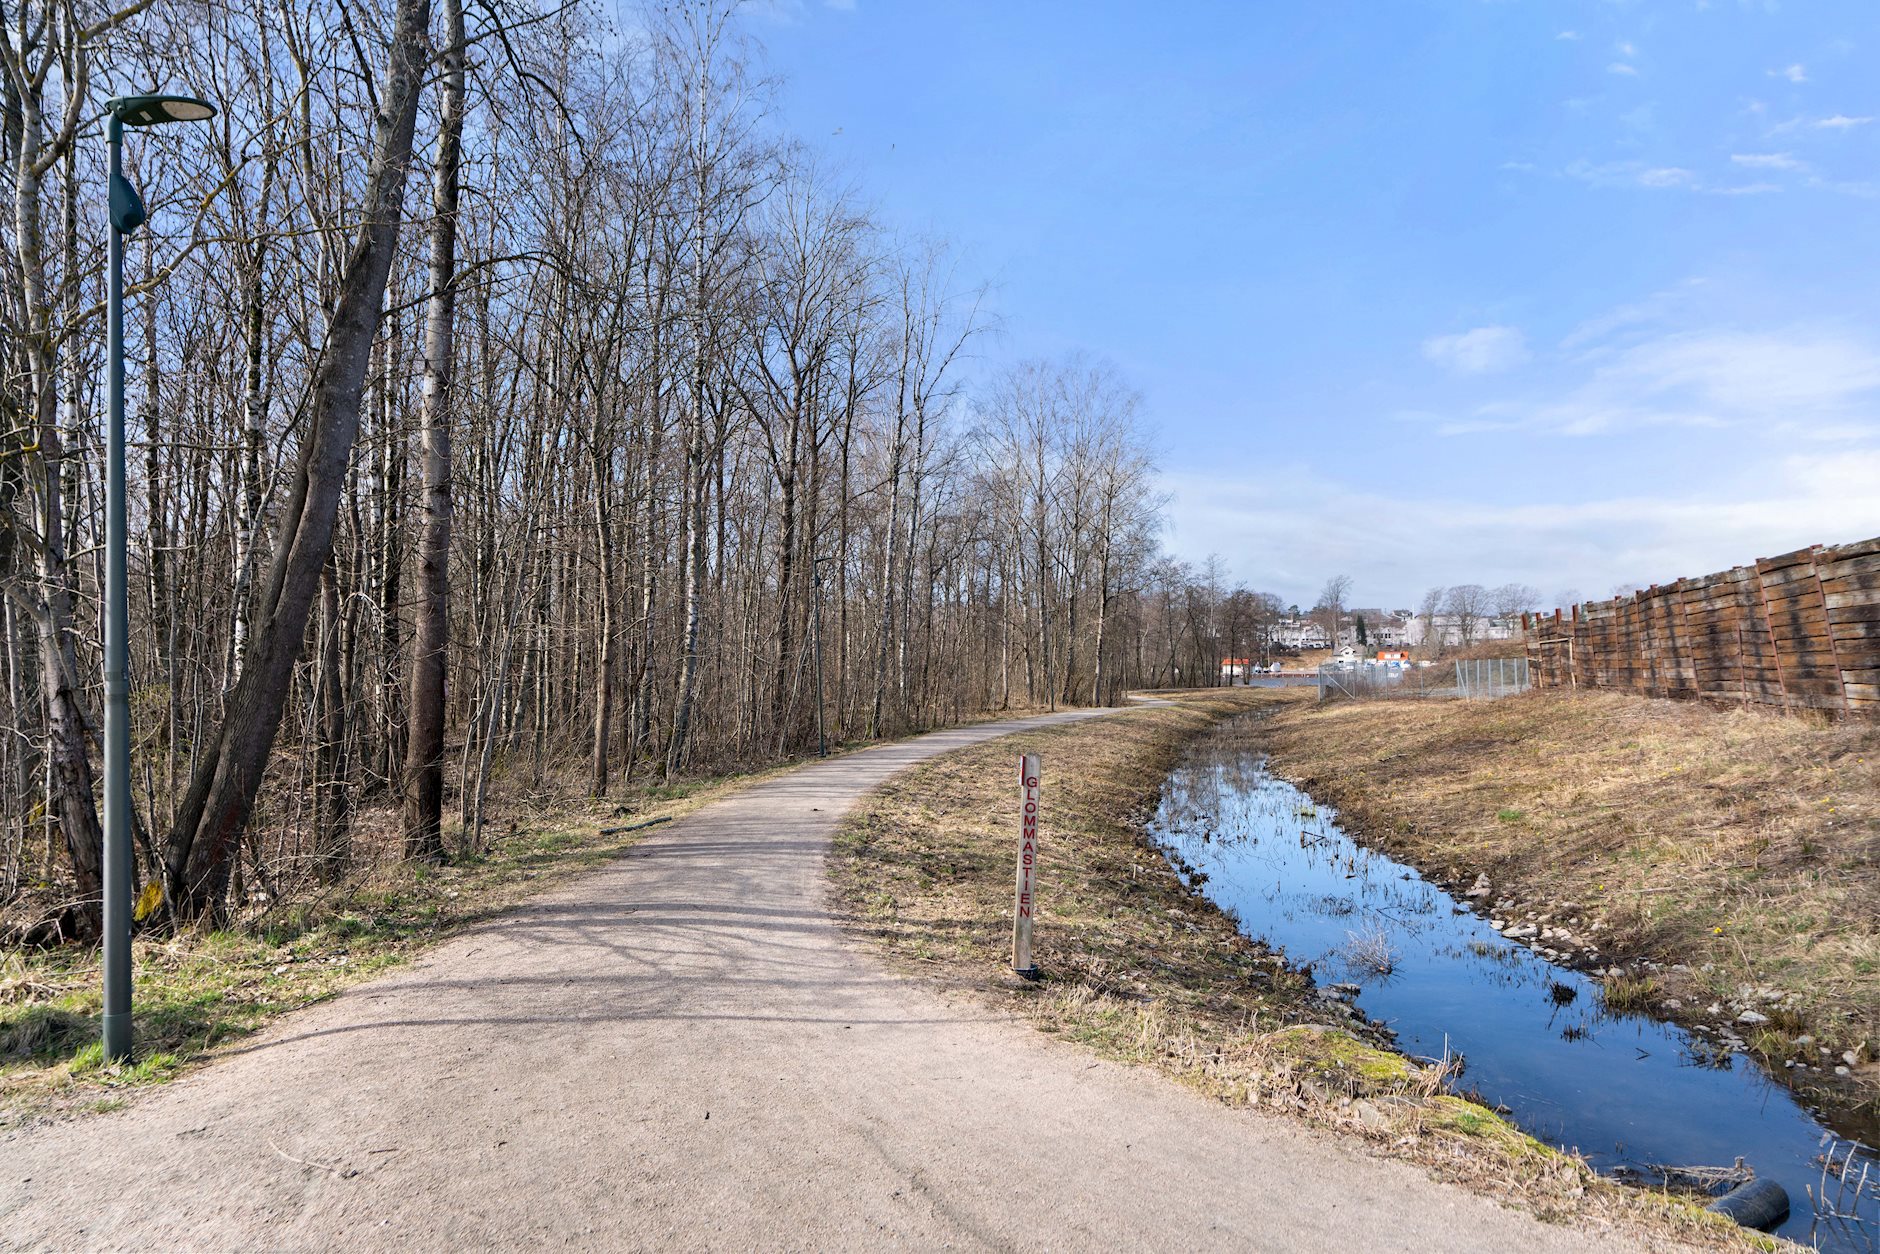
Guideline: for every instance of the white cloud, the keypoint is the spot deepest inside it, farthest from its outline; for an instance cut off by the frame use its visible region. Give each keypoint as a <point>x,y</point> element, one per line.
<point>1766,374</point>
<point>1620,67</point>
<point>1841,122</point>
<point>1673,177</point>
<point>1666,176</point>
<point>1302,524</point>
<point>1626,48</point>
<point>1794,73</point>
<point>1571,36</point>
<point>1483,350</point>
<point>1633,174</point>
<point>1768,161</point>
<point>1803,384</point>
<point>1655,308</point>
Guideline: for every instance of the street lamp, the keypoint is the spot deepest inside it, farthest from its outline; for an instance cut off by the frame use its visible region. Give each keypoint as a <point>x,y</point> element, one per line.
<point>127,214</point>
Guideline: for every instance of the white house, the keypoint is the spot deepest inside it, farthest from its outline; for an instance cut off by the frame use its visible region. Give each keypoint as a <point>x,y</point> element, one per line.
<point>1300,633</point>
<point>1448,629</point>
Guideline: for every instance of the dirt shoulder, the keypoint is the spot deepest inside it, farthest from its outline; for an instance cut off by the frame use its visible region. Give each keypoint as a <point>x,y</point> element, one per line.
<point>1727,862</point>
<point>1141,969</point>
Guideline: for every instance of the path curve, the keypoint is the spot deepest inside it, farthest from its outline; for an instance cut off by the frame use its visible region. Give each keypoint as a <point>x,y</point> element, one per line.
<point>682,1050</point>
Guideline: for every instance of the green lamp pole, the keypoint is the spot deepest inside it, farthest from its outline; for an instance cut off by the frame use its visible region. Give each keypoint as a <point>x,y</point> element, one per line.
<point>127,214</point>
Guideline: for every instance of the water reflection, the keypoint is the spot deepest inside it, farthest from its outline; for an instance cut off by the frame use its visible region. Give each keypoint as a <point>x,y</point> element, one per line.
<point>1535,1039</point>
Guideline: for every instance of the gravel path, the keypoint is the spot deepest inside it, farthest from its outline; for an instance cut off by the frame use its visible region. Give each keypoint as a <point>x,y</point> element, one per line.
<point>682,1050</point>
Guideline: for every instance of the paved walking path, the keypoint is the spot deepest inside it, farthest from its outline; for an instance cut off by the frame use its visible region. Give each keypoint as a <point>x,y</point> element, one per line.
<point>682,1050</point>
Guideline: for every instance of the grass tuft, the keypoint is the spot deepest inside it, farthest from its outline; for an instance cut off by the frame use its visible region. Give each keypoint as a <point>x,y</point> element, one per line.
<point>1630,994</point>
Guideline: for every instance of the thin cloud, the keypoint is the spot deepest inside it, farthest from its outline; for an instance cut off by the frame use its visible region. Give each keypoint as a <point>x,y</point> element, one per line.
<point>1768,161</point>
<point>1631,174</point>
<point>1841,122</point>
<point>1620,67</point>
<point>1818,386</point>
<point>1663,178</point>
<point>1484,350</point>
<point>1796,73</point>
<point>1666,176</point>
<point>1302,523</point>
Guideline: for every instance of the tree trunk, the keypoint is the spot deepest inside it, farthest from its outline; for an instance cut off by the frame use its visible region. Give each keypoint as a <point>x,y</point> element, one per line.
<point>221,794</point>
<point>430,639</point>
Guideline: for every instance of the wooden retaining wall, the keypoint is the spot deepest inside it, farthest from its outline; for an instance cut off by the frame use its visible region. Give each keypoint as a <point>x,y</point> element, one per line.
<point>1800,631</point>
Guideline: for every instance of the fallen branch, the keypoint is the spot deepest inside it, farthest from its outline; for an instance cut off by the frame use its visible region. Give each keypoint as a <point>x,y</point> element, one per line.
<point>634,827</point>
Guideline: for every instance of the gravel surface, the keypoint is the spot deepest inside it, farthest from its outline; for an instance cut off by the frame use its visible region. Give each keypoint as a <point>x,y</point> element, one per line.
<point>683,1050</point>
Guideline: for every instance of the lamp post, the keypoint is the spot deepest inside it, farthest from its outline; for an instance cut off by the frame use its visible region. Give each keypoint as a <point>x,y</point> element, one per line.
<point>127,214</point>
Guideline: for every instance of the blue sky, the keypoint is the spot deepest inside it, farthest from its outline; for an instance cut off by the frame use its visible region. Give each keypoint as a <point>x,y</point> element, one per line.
<point>1578,293</point>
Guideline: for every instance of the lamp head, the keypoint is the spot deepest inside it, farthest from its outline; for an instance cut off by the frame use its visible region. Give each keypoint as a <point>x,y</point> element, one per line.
<point>156,110</point>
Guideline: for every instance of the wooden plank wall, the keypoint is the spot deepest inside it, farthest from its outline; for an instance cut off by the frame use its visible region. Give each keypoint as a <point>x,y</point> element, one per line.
<point>1799,631</point>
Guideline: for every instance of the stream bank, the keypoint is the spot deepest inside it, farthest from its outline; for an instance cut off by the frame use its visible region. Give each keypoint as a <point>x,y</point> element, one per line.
<point>1140,967</point>
<point>1570,1057</point>
<point>1730,858</point>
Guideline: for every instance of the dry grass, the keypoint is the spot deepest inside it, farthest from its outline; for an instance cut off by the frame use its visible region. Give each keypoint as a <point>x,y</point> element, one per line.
<point>1739,850</point>
<point>1142,969</point>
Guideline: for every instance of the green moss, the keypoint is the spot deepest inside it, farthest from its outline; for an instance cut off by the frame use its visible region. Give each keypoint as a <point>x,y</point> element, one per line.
<point>1329,1054</point>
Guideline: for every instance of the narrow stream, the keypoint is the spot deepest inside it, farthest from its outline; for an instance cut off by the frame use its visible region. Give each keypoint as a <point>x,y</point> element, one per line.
<point>1625,1090</point>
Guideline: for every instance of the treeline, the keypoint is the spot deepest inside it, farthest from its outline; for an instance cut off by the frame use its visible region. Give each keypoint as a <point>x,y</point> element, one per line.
<point>506,391</point>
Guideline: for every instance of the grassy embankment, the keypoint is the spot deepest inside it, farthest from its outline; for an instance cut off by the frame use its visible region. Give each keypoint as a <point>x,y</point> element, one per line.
<point>1143,970</point>
<point>1738,851</point>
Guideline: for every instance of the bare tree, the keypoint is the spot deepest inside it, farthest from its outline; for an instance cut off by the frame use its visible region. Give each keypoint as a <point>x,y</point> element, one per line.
<point>1332,599</point>
<point>1467,604</point>
<point>214,811</point>
<point>643,367</point>
<point>1511,600</point>
<point>424,764</point>
<point>1427,609</point>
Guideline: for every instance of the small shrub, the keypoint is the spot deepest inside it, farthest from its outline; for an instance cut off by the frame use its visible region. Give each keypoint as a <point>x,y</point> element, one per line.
<point>1369,951</point>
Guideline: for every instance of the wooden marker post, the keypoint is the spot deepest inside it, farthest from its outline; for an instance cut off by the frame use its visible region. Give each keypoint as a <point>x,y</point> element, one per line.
<point>1026,897</point>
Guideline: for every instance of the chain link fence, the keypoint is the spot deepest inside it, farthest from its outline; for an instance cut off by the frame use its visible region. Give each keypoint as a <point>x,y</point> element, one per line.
<point>1470,679</point>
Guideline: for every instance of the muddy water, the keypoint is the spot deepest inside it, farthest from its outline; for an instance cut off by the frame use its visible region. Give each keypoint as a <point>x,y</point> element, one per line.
<point>1535,1039</point>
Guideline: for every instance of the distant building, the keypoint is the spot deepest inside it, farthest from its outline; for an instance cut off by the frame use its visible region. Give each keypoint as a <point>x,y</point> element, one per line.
<point>1300,633</point>
<point>1449,629</point>
<point>1233,668</point>
<point>1388,629</point>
